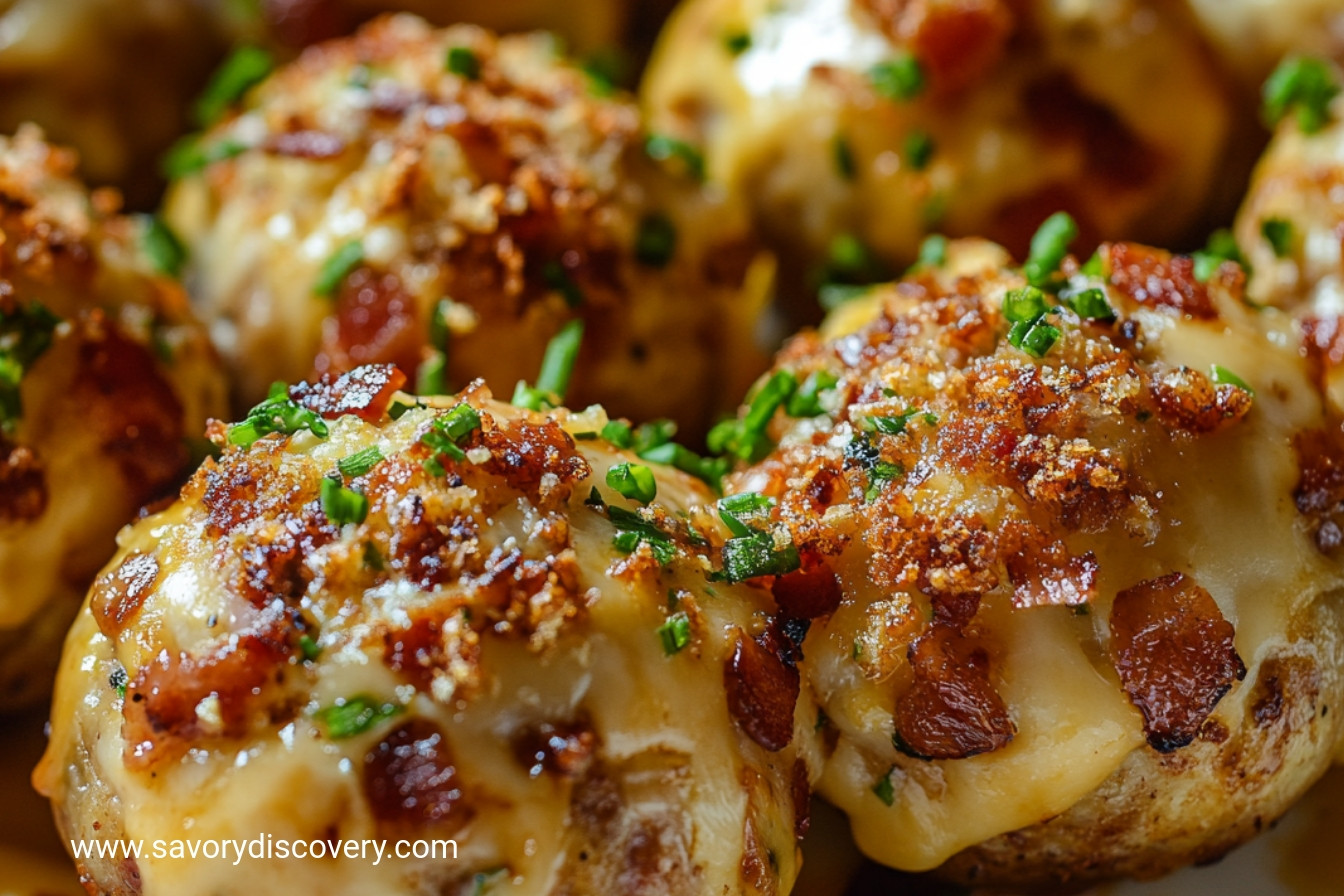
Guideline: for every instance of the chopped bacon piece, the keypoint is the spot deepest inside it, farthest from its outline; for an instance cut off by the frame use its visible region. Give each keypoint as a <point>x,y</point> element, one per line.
<point>375,322</point>
<point>410,780</point>
<point>524,452</point>
<point>564,749</point>
<point>762,692</point>
<point>808,593</point>
<point>1175,655</point>
<point>957,41</point>
<point>1320,487</point>
<point>1050,576</point>
<point>117,596</point>
<point>1187,399</point>
<point>952,710</point>
<point>1158,279</point>
<point>23,484</point>
<point>364,392</point>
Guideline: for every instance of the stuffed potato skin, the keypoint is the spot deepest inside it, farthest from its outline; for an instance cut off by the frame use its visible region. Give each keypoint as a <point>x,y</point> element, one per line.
<point>1109,109</point>
<point>484,605</point>
<point>1087,615</point>
<point>486,206</point>
<point>111,377</point>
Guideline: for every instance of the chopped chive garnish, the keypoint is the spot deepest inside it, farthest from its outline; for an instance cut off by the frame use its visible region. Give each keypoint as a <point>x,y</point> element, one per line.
<point>755,554</point>
<point>884,789</point>
<point>190,155</point>
<point>618,433</point>
<point>1221,247</point>
<point>308,647</point>
<point>832,295</point>
<point>633,481</point>
<point>463,62</point>
<point>745,439</point>
<point>734,508</point>
<point>372,557</point>
<point>1049,245</point>
<point>246,67</point>
<point>848,260</point>
<point>662,148</point>
<point>447,433</point>
<point>709,470</point>
<point>557,364</point>
<point>1278,232</point>
<point>895,424</point>
<point>1221,375</point>
<point>25,334</point>
<point>164,250</point>
<point>919,147</point>
<point>431,377</point>
<point>737,42</point>
<point>1025,304</point>
<point>337,267</point>
<point>1302,83</point>
<point>675,633</point>
<point>278,413</point>
<point>606,68</point>
<point>1035,337</point>
<point>350,716</point>
<point>844,157</point>
<point>932,252</point>
<point>898,78</point>
<point>879,475</point>
<point>554,275</point>
<point>1090,304</point>
<point>806,402</point>
<point>343,505</point>
<point>360,462</point>
<point>439,332</point>
<point>656,241</point>
<point>632,529</point>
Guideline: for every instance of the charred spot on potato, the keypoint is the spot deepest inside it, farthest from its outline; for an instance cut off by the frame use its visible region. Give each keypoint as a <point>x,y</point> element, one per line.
<point>762,692</point>
<point>1175,655</point>
<point>952,709</point>
<point>564,749</point>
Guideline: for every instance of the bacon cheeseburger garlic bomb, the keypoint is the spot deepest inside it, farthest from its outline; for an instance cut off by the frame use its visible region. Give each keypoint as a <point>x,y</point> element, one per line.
<point>880,121</point>
<point>104,376</point>
<point>446,200</point>
<point>1076,610</point>
<point>449,624</point>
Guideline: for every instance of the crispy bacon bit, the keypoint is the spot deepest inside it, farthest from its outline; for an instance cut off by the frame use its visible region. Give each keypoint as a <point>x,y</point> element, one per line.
<point>133,412</point>
<point>411,782</point>
<point>23,484</point>
<point>564,749</point>
<point>762,692</point>
<point>117,596</point>
<point>808,593</point>
<point>1175,655</point>
<point>1320,486</point>
<point>161,720</point>
<point>1189,400</point>
<point>802,799</point>
<point>1159,279</point>
<point>364,392</point>
<point>957,41</point>
<point>305,145</point>
<point>375,322</point>
<point>952,710</point>
<point>523,453</point>
<point>1050,576</point>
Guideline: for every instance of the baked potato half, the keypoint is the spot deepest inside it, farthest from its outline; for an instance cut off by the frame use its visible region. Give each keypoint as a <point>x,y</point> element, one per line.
<point>450,624</point>
<point>446,200</point>
<point>847,126</point>
<point>105,377</point>
<point>1068,540</point>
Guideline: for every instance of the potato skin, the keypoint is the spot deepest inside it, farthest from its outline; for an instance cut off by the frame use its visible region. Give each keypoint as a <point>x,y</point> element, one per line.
<point>1090,620</point>
<point>1112,110</point>
<point>482,601</point>
<point>106,409</point>
<point>504,198</point>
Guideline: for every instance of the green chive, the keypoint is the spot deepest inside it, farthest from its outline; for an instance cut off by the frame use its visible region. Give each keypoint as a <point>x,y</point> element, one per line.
<point>607,68</point>
<point>447,433</point>
<point>26,333</point>
<point>1278,232</point>
<point>1034,337</point>
<point>343,505</point>
<point>337,267</point>
<point>351,716</point>
<point>1089,304</point>
<point>463,62</point>
<point>899,78</point>
<point>1221,375</point>
<point>734,508</point>
<point>656,241</point>
<point>360,462</point>
<point>189,155</point>
<point>746,438</point>
<point>1025,304</point>
<point>918,151</point>
<point>633,481</point>
<point>933,251</point>
<point>246,67</point>
<point>879,475</point>
<point>617,432</point>
<point>1302,83</point>
<point>308,647</point>
<point>372,557</point>
<point>662,148</point>
<point>754,555</point>
<point>554,275</point>
<point>164,250</point>
<point>832,295</point>
<point>431,377</point>
<point>1049,245</point>
<point>709,470</point>
<point>844,157</point>
<point>675,633</point>
<point>1222,246</point>
<point>806,402</point>
<point>884,789</point>
<point>737,42</point>
<point>277,414</point>
<point>557,365</point>
<point>632,529</point>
